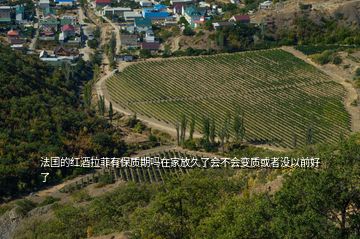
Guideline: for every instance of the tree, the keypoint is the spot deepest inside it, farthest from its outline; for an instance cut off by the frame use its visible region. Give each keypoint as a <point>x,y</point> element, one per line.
<point>177,128</point>
<point>227,126</point>
<point>183,124</point>
<point>111,112</point>
<point>101,105</point>
<point>239,127</point>
<point>212,133</point>
<point>188,31</point>
<point>222,135</point>
<point>309,136</point>
<point>206,129</point>
<point>192,127</point>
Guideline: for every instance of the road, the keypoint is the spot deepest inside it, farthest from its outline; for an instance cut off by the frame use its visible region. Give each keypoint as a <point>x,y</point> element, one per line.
<point>32,45</point>
<point>86,51</point>
<point>117,33</point>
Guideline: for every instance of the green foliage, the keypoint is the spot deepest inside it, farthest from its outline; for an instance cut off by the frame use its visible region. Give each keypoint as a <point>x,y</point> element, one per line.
<point>41,116</point>
<point>327,57</point>
<point>188,31</point>
<point>311,203</point>
<point>81,196</point>
<point>94,43</point>
<point>24,206</point>
<point>106,178</point>
<point>178,211</point>
<point>145,53</point>
<point>48,200</point>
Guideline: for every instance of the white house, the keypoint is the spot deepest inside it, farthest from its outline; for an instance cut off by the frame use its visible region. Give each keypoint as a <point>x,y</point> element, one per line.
<point>145,3</point>
<point>173,2</point>
<point>265,5</point>
<point>130,16</point>
<point>118,11</point>
<point>149,36</point>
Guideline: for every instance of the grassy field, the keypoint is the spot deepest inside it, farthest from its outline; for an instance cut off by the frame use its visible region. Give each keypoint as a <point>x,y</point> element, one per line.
<point>281,96</point>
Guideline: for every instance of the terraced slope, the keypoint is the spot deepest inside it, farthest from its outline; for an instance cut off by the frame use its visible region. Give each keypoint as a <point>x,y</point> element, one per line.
<point>280,95</point>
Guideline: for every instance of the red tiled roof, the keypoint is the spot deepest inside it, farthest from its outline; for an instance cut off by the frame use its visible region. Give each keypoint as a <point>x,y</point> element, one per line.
<point>68,27</point>
<point>12,33</point>
<point>242,18</point>
<point>103,1</point>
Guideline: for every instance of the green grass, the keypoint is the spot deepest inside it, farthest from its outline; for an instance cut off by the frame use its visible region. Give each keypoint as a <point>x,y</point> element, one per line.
<point>281,95</point>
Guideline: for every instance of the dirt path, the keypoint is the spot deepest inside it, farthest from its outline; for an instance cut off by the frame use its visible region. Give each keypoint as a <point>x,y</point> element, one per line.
<point>339,77</point>
<point>100,88</point>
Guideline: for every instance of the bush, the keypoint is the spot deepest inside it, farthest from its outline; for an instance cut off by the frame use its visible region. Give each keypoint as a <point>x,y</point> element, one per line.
<point>357,72</point>
<point>106,179</point>
<point>337,60</point>
<point>48,200</point>
<point>93,43</point>
<point>24,206</point>
<point>81,196</point>
<point>188,31</point>
<point>190,144</point>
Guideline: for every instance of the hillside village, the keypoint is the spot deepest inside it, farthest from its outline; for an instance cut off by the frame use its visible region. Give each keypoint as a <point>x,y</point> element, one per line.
<point>59,31</point>
<point>66,30</point>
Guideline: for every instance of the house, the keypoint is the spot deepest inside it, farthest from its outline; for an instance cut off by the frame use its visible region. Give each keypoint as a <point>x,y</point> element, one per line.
<point>220,25</point>
<point>145,3</point>
<point>244,19</point>
<point>173,2</point>
<point>149,36</point>
<point>265,5</point>
<point>115,11</point>
<point>142,24</point>
<point>194,15</point>
<point>19,11</point>
<point>49,22</point>
<point>68,3</point>
<point>129,41</point>
<point>5,16</point>
<point>62,51</point>
<point>102,3</point>
<point>68,20</point>
<point>131,16</point>
<point>44,4</point>
<point>14,38</point>
<point>68,31</point>
<point>126,58</point>
<point>152,46</point>
<point>157,12</point>
<point>177,8</point>
<point>55,60</point>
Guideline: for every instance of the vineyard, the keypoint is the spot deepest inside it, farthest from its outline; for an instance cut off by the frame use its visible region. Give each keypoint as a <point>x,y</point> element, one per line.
<point>282,97</point>
<point>151,174</point>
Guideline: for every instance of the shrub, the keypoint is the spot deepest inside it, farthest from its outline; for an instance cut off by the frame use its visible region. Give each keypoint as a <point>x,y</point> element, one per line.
<point>337,60</point>
<point>48,200</point>
<point>188,31</point>
<point>24,206</point>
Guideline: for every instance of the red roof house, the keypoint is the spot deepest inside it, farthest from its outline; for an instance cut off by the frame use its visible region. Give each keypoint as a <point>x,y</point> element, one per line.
<point>245,19</point>
<point>12,33</point>
<point>68,28</point>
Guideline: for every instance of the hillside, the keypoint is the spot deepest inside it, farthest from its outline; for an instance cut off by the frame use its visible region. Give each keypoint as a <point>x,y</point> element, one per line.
<point>41,116</point>
<point>280,96</point>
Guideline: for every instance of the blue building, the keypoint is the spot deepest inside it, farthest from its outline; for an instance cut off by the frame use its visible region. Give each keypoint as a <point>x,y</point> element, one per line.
<point>157,12</point>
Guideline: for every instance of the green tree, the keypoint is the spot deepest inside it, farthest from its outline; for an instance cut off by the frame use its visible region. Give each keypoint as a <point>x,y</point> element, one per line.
<point>111,112</point>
